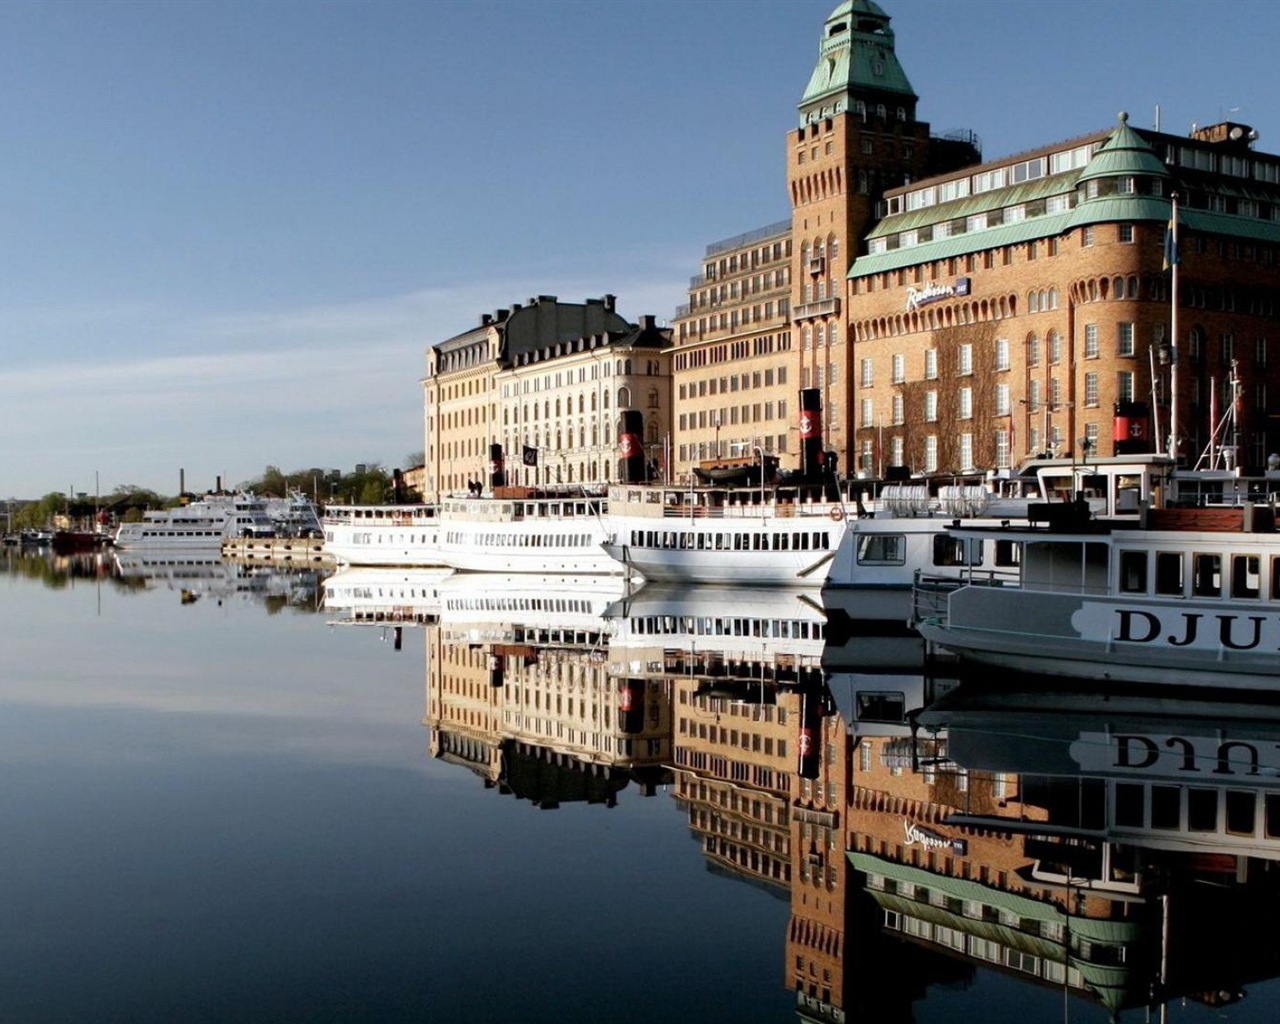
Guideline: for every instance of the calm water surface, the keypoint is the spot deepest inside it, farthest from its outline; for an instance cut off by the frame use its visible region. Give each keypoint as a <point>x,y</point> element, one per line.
<point>218,806</point>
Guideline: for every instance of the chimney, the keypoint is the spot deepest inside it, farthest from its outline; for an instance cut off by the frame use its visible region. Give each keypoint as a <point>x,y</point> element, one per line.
<point>609,302</point>
<point>486,319</point>
<point>501,315</point>
<point>648,322</point>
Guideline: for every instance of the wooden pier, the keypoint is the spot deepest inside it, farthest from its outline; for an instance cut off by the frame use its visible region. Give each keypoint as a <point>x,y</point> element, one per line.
<point>281,550</point>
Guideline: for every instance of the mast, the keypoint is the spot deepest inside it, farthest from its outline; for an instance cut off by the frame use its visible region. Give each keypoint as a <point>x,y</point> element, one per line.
<point>1171,263</point>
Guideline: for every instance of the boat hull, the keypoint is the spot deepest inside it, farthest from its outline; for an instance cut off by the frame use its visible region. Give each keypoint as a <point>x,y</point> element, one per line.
<point>1112,639</point>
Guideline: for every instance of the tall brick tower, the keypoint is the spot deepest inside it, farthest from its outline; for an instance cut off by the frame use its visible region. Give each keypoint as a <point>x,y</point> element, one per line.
<point>858,136</point>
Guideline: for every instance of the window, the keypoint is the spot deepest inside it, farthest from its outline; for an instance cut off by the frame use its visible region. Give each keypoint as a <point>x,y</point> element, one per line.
<point>1086,235</point>
<point>1124,386</point>
<point>931,406</point>
<point>1002,354</point>
<point>931,364</point>
<point>1091,389</point>
<point>1091,341</point>
<point>1126,234</point>
<point>1002,399</point>
<point>931,454</point>
<point>1033,350</point>
<point>966,359</point>
<point>1055,347</point>
<point>868,377</point>
<point>965,403</point>
<point>966,451</point>
<point>1125,337</point>
<point>898,412</point>
<point>868,413</point>
<point>899,367</point>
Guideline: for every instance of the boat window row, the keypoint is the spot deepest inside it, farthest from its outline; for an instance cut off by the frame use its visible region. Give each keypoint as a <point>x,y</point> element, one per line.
<point>466,538</point>
<point>1237,812</point>
<point>509,603</point>
<point>732,540</point>
<point>705,625</point>
<point>948,550</point>
<point>1200,574</point>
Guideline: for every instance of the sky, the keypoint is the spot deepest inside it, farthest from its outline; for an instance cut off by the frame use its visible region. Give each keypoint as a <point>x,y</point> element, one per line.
<point>230,231</point>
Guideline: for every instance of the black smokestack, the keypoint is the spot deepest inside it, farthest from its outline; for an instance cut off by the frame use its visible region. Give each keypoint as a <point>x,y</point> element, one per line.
<point>811,457</point>
<point>497,472</point>
<point>631,447</point>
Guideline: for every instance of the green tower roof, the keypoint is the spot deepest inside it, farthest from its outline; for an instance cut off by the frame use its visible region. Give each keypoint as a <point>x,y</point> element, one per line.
<point>1124,153</point>
<point>856,59</point>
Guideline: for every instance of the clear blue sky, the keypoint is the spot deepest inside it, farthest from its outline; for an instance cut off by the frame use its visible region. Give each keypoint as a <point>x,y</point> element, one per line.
<point>229,231</point>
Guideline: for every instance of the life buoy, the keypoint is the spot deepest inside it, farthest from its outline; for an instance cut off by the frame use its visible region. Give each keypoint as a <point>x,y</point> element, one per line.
<point>837,513</point>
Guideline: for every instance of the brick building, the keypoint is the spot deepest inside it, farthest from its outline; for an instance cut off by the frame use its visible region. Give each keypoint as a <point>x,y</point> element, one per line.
<point>959,315</point>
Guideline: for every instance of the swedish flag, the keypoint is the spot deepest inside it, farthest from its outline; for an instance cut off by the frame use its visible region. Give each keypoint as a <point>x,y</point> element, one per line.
<point>1170,245</point>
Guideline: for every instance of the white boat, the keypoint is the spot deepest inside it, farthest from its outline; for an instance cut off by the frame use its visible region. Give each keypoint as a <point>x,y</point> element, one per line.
<point>522,530</point>
<point>382,535</point>
<point>1189,597</point>
<point>205,523</point>
<point>749,536</point>
<point>294,516</point>
<point>873,539</point>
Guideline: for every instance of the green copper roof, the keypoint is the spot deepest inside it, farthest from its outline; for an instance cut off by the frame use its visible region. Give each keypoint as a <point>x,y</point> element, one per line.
<point>961,244</point>
<point>855,58</point>
<point>1124,153</point>
<point>1111,209</point>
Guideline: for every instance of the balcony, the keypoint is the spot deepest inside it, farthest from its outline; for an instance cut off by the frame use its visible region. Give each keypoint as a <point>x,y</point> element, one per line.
<point>811,310</point>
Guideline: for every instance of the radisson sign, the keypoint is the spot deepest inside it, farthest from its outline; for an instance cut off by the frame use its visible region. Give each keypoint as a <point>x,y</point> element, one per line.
<point>934,291</point>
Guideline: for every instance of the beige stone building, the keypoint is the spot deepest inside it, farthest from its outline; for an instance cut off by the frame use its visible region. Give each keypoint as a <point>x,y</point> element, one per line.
<point>536,391</point>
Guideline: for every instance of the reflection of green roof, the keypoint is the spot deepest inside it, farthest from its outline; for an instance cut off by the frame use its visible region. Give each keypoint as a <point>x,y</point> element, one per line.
<point>856,57</point>
<point>1109,983</point>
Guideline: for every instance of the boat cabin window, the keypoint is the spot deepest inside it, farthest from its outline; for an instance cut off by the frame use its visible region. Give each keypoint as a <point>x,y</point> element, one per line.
<point>1008,553</point>
<point>1133,572</point>
<point>882,549</point>
<point>1241,807</point>
<point>1169,573</point>
<point>950,550</point>
<point>1206,578</point>
<point>1246,576</point>
<point>1275,578</point>
<point>882,707</point>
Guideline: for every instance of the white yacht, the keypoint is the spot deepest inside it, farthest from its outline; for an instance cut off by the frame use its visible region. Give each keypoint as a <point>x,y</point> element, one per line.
<point>205,524</point>
<point>383,535</point>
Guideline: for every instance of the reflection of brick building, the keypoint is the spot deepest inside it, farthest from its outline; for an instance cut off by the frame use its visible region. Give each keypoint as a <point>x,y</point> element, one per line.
<point>538,710</point>
<point>734,777</point>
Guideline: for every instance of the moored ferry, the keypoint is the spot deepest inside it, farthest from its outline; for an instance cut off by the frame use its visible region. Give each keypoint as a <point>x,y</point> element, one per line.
<point>205,523</point>
<point>1187,597</point>
<point>525,530</point>
<point>382,535</point>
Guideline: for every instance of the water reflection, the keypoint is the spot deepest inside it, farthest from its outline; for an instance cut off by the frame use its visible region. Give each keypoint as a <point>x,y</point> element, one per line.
<point>925,833</point>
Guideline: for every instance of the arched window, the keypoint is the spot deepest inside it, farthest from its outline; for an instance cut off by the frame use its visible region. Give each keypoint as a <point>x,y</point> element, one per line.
<point>1053,298</point>
<point>1033,303</point>
<point>624,398</point>
<point>653,398</point>
<point>833,333</point>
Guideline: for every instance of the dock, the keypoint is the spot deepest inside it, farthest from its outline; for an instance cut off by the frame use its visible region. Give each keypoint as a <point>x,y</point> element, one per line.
<point>280,550</point>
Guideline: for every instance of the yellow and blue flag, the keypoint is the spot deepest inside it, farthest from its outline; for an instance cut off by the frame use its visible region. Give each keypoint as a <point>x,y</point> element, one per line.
<point>1170,245</point>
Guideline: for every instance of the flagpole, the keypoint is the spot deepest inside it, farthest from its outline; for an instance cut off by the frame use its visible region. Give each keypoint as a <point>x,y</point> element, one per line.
<point>1171,258</point>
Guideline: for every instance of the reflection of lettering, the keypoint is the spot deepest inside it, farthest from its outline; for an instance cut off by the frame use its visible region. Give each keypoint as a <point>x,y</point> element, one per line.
<point>931,840</point>
<point>1235,632</point>
<point>1229,757</point>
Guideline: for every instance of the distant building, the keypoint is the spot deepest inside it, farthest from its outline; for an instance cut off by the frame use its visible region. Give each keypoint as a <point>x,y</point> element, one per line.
<point>533,395</point>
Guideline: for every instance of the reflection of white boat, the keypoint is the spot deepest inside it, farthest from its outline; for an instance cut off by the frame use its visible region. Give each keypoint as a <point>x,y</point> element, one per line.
<point>391,535</point>
<point>1192,599</point>
<point>492,606</point>
<point>195,573</point>
<point>205,524</point>
<point>1172,773</point>
<point>382,595</point>
<point>752,623</point>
